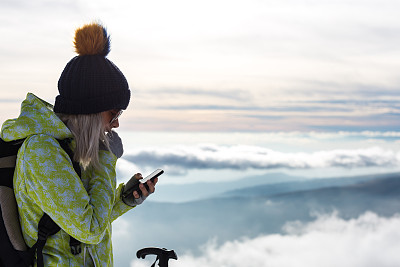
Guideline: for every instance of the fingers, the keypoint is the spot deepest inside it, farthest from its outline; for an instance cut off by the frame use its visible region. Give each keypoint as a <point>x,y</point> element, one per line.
<point>151,185</point>
<point>136,194</point>
<point>145,192</point>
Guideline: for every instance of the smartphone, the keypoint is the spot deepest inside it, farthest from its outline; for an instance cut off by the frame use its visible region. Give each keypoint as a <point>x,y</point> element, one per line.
<point>133,183</point>
<point>152,176</point>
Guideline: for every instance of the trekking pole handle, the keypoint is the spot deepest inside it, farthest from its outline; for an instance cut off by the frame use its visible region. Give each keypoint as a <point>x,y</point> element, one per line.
<point>163,254</point>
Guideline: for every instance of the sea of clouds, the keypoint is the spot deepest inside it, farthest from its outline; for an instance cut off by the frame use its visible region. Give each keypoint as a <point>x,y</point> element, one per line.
<point>241,157</point>
<point>329,241</point>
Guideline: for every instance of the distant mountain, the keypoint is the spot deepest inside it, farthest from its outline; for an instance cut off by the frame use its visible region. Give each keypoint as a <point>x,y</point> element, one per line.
<point>198,191</point>
<point>301,185</point>
<point>380,195</point>
<point>255,211</point>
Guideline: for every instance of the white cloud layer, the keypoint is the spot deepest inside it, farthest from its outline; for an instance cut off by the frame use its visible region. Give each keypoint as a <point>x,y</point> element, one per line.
<point>245,157</point>
<point>329,241</point>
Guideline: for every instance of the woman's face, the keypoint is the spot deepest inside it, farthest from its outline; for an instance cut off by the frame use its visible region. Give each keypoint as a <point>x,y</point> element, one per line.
<point>110,119</point>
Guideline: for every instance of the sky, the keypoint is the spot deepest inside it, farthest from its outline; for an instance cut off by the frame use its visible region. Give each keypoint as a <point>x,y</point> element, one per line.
<point>220,66</point>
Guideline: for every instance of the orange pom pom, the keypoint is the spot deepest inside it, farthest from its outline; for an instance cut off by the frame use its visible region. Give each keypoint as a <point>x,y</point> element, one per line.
<point>92,39</point>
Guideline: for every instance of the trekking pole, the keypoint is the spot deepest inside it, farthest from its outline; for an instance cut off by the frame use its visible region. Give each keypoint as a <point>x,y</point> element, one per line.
<point>163,255</point>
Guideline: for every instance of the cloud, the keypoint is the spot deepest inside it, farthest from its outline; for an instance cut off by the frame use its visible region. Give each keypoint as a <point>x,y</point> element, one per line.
<point>330,241</point>
<point>125,170</point>
<point>242,157</point>
<point>10,100</point>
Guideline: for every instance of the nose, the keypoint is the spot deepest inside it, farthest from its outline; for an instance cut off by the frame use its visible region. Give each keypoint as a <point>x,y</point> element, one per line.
<point>115,124</point>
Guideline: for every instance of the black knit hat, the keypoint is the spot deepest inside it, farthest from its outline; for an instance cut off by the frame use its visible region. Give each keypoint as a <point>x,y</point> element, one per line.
<point>90,83</point>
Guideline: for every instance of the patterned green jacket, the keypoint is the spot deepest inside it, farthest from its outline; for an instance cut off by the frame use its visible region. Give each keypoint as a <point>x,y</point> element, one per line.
<point>45,182</point>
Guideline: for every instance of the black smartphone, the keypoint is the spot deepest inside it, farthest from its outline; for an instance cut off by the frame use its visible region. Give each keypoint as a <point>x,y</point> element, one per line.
<point>152,176</point>
<point>133,183</point>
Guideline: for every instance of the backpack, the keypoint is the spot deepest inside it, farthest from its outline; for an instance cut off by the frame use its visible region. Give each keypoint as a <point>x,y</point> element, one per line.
<point>13,249</point>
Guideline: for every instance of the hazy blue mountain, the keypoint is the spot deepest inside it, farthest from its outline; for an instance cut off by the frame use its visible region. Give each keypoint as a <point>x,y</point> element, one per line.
<point>186,226</point>
<point>299,185</point>
<point>198,191</point>
<point>381,195</point>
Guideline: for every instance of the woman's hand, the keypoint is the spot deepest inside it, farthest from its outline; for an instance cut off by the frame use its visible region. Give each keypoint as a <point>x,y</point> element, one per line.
<point>145,193</point>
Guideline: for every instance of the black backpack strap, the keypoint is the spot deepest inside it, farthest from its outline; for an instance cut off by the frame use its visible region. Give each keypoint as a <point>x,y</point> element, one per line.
<point>8,157</point>
<point>75,246</point>
<point>47,227</point>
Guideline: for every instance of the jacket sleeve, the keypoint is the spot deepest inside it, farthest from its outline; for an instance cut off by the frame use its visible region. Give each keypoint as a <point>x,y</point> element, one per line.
<point>119,206</point>
<point>57,190</point>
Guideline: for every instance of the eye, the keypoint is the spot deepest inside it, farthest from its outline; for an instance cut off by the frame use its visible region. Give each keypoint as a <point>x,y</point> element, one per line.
<point>115,115</point>
<point>114,112</point>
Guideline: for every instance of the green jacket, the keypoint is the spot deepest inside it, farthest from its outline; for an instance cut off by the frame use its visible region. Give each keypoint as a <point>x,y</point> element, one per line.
<point>45,182</point>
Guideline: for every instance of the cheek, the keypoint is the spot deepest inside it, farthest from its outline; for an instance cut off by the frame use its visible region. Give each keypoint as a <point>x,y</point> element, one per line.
<point>105,118</point>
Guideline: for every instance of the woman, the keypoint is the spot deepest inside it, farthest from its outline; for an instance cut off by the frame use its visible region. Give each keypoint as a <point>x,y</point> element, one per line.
<point>92,94</point>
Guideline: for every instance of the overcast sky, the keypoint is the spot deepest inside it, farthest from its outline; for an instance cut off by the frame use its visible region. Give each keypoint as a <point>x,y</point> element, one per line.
<point>241,65</point>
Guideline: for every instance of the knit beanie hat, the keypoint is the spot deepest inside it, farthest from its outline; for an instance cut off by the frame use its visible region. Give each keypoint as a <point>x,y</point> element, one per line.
<point>90,83</point>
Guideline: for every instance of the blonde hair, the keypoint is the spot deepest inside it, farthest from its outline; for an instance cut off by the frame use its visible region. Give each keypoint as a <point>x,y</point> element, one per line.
<point>88,131</point>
